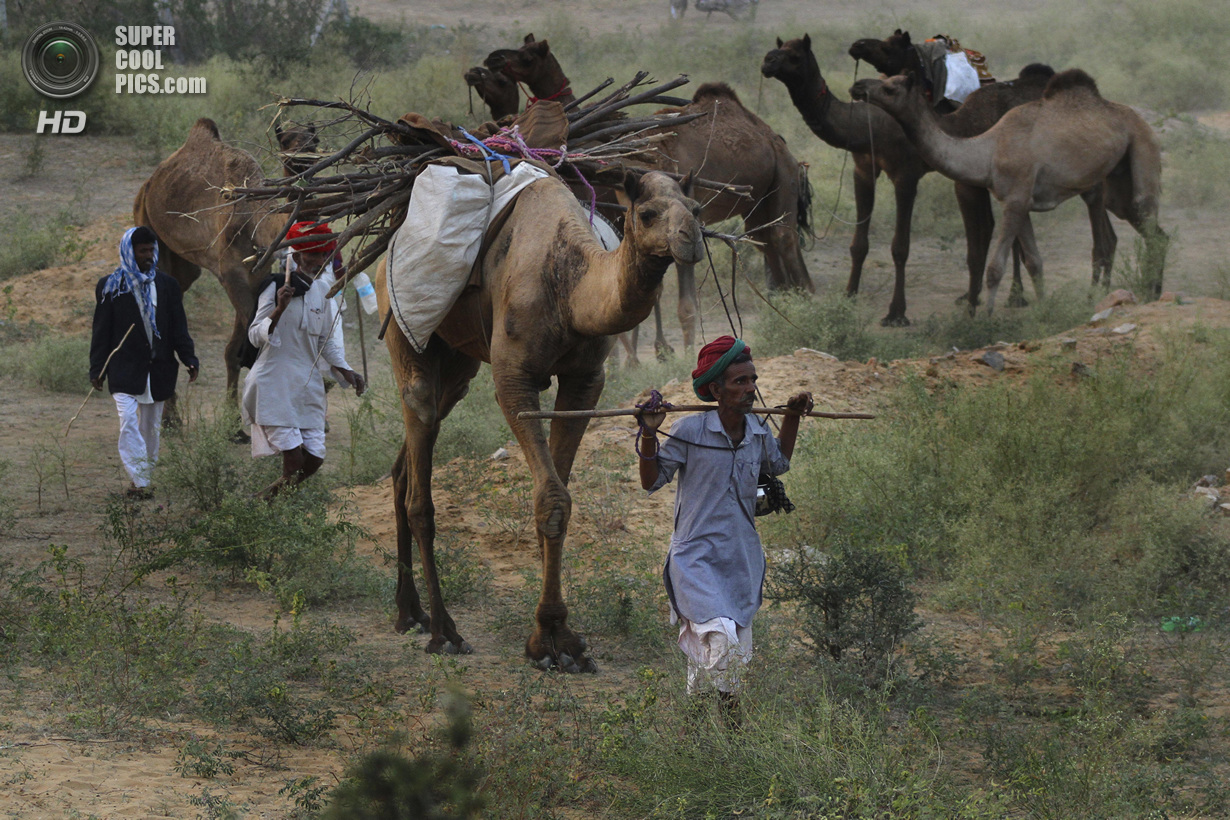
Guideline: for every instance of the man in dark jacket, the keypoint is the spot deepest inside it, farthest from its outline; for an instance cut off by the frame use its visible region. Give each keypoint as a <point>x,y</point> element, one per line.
<point>139,323</point>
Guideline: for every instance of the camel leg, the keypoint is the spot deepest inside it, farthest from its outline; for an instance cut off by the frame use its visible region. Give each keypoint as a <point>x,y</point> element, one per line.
<point>1104,238</point>
<point>906,190</point>
<point>864,203</point>
<point>235,282</point>
<point>410,612</point>
<point>979,220</point>
<point>431,384</point>
<point>997,263</point>
<point>552,644</point>
<point>688,304</point>
<point>661,347</point>
<point>1030,255</point>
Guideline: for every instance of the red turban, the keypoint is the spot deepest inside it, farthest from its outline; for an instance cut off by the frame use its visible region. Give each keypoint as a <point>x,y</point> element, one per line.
<point>301,232</point>
<point>712,362</point>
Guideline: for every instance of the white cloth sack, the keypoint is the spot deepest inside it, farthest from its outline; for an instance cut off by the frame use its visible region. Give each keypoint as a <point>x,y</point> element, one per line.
<point>962,77</point>
<point>435,247</point>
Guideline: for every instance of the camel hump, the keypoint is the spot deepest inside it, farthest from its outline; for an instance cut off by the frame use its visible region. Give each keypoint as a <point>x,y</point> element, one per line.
<point>1071,80</point>
<point>711,90</point>
<point>1036,71</point>
<point>206,129</point>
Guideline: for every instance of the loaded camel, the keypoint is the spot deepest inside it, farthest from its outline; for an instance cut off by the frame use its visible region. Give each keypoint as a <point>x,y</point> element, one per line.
<point>550,301</point>
<point>197,227</point>
<point>878,145</point>
<point>730,144</point>
<point>1072,142</point>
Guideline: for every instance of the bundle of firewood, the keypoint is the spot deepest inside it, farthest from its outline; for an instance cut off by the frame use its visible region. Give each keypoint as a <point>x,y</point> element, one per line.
<point>365,186</point>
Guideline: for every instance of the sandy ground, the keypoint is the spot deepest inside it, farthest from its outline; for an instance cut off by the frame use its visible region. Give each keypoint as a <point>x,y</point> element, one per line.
<point>46,775</point>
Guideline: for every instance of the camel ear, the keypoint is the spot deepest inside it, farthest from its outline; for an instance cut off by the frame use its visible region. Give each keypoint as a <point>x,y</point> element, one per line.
<point>632,187</point>
<point>807,41</point>
<point>277,130</point>
<point>779,42</point>
<point>685,184</point>
<point>529,38</point>
<point>541,47</point>
<point>905,38</point>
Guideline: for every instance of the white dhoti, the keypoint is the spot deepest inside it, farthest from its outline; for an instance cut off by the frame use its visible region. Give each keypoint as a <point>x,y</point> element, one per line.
<point>717,650</point>
<point>140,427</point>
<point>269,440</point>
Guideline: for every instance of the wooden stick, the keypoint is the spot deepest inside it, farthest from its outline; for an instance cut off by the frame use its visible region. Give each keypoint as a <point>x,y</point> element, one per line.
<point>101,375</point>
<point>679,408</point>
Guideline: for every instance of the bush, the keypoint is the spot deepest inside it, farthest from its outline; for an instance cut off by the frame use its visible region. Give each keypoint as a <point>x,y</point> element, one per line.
<point>856,603</point>
<point>59,363</point>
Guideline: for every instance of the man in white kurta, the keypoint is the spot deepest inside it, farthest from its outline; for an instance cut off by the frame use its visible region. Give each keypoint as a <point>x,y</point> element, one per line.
<point>284,394</point>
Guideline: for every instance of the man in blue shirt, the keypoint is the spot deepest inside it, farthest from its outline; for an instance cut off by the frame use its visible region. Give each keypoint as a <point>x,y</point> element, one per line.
<point>715,569</point>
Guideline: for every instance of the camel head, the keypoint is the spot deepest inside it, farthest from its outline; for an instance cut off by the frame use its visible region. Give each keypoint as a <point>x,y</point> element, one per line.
<point>888,56</point>
<point>792,62</point>
<point>495,89</point>
<point>894,94</point>
<point>298,145</point>
<point>662,218</point>
<point>525,64</point>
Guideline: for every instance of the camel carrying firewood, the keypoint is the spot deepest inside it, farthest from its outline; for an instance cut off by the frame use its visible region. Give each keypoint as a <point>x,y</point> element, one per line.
<point>549,303</point>
<point>184,202</point>
<point>726,142</point>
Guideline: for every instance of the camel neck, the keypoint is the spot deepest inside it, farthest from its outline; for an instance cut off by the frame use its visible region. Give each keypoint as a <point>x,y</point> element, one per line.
<point>617,290</point>
<point>830,119</point>
<point>967,160</point>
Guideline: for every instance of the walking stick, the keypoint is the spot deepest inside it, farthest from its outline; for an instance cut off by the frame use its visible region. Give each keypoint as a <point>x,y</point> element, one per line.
<point>102,373</point>
<point>678,408</point>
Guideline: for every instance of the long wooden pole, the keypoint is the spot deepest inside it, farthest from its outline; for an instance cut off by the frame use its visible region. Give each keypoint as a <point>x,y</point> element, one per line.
<point>679,408</point>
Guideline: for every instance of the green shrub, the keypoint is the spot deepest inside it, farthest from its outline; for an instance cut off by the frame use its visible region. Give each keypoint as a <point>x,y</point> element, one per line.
<point>856,603</point>
<point>59,364</point>
<point>35,245</point>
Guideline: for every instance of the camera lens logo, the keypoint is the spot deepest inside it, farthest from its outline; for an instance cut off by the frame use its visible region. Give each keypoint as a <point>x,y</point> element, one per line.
<point>60,60</point>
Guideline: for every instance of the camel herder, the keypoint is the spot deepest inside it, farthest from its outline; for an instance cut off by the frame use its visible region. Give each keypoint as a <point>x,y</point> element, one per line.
<point>715,568</point>
<point>140,326</point>
<point>284,393</point>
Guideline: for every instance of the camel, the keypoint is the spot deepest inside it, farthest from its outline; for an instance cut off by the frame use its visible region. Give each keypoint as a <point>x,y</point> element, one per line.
<point>879,145</point>
<point>197,228</point>
<point>730,144</point>
<point>1071,142</point>
<point>550,300</point>
<point>495,89</point>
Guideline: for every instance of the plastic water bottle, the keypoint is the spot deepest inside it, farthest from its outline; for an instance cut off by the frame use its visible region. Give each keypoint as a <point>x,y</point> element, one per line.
<point>367,292</point>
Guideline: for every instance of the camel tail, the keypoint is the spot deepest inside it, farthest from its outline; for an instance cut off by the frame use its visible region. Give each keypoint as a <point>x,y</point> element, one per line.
<point>1145,156</point>
<point>1071,80</point>
<point>803,223</point>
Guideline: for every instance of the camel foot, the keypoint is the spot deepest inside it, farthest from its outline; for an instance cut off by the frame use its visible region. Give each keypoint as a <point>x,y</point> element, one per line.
<point>894,321</point>
<point>663,352</point>
<point>563,651</point>
<point>419,624</point>
<point>443,646</point>
<point>1017,300</point>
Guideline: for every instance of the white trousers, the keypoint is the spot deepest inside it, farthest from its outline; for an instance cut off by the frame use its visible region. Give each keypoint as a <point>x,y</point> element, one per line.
<point>140,426</point>
<point>716,650</point>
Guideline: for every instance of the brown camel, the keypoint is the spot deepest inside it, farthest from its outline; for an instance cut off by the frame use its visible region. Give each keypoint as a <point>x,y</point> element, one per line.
<point>197,228</point>
<point>878,145</point>
<point>730,144</point>
<point>1071,142</point>
<point>496,90</point>
<point>550,300</point>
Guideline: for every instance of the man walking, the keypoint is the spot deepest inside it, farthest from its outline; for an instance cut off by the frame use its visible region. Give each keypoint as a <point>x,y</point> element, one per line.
<point>715,568</point>
<point>139,322</point>
<point>284,393</point>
